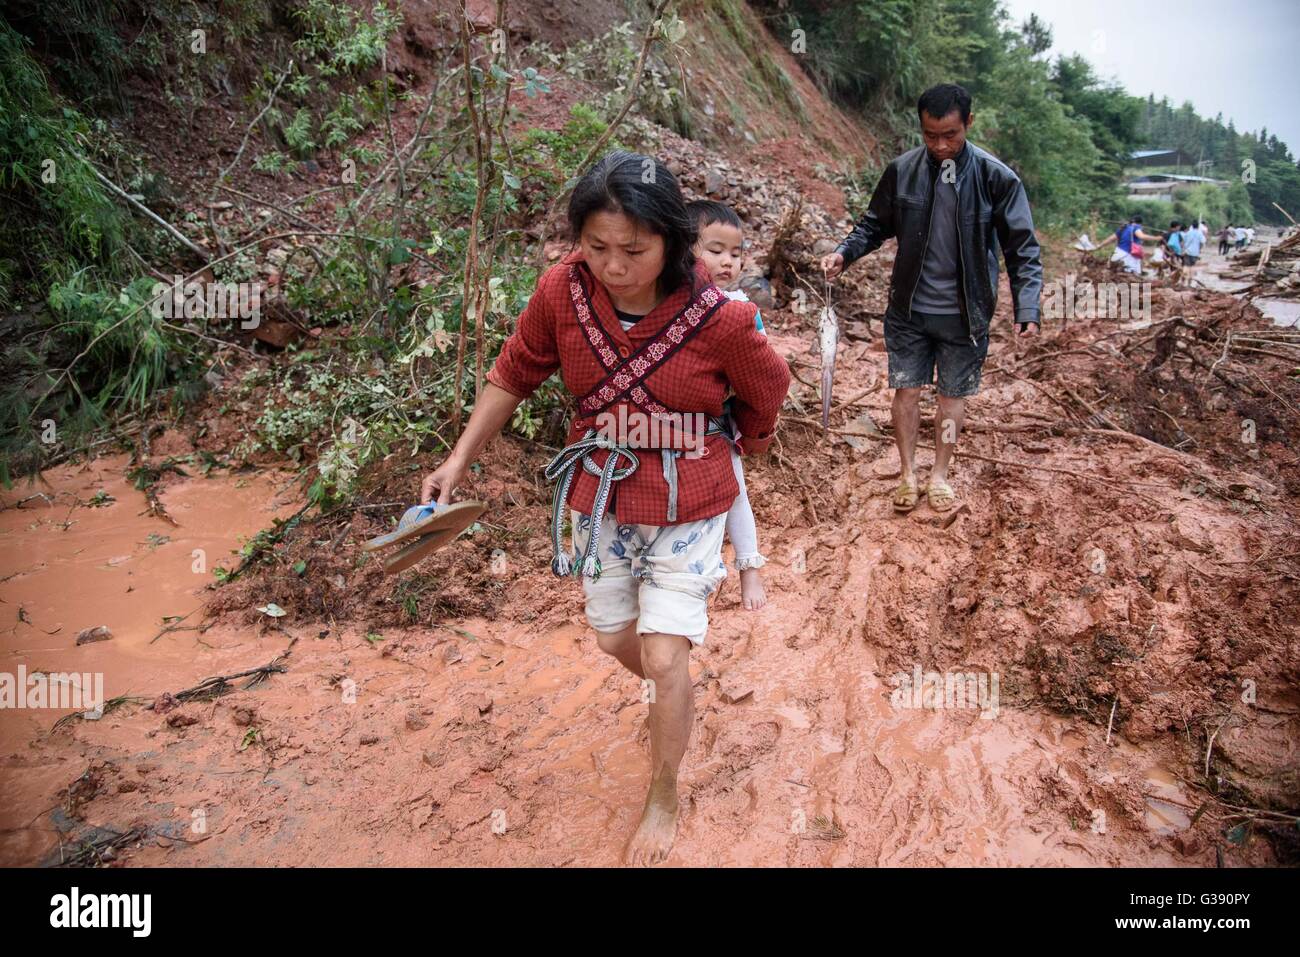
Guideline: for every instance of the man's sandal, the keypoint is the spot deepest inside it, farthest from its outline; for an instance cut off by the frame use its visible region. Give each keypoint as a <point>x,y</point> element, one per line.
<point>940,495</point>
<point>905,496</point>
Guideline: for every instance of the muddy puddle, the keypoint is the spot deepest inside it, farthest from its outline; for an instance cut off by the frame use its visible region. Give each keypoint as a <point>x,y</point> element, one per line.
<point>1282,312</point>
<point>79,555</point>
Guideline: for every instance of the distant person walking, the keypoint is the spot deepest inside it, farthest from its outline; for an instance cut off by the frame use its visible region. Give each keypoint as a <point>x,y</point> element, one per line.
<point>1193,239</point>
<point>1174,242</point>
<point>1225,239</point>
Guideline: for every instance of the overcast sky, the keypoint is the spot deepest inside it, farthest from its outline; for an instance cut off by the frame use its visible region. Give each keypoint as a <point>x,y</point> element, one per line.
<point>1238,57</point>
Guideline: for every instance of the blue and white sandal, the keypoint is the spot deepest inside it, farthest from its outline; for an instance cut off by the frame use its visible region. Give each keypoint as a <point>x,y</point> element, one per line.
<point>420,548</point>
<point>422,520</point>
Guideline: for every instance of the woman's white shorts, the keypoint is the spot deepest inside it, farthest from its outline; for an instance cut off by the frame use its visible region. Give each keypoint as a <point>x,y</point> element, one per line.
<point>658,575</point>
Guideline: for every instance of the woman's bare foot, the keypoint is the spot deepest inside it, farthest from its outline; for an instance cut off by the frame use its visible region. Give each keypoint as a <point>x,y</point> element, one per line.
<point>752,596</point>
<point>654,835</point>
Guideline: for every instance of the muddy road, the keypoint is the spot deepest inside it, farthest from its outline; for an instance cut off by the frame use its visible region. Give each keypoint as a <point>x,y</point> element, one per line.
<point>500,735</point>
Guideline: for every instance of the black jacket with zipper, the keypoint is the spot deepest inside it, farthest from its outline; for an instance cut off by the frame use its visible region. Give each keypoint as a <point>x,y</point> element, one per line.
<point>992,213</point>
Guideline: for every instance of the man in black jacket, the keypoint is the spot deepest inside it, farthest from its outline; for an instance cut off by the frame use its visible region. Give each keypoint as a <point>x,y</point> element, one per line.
<point>952,206</point>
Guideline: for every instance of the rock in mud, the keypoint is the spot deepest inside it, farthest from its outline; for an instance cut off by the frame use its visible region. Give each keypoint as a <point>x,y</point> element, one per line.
<point>277,333</point>
<point>734,689</point>
<point>98,633</point>
<point>1188,845</point>
<point>759,291</point>
<point>491,758</point>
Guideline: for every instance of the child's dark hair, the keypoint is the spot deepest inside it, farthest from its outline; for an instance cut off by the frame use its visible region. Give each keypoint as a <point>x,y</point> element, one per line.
<point>708,211</point>
<point>642,188</point>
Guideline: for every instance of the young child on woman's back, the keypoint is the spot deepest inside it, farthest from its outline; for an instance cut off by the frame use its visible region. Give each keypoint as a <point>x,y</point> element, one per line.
<point>721,248</point>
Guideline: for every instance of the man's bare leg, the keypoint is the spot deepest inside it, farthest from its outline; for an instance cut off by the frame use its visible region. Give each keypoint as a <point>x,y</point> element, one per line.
<point>948,421</point>
<point>624,645</point>
<point>665,660</point>
<point>906,416</point>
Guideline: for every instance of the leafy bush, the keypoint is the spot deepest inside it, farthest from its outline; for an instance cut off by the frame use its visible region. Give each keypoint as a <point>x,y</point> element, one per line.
<point>550,158</point>
<point>335,40</point>
<point>103,352</point>
<point>607,62</point>
<point>56,216</point>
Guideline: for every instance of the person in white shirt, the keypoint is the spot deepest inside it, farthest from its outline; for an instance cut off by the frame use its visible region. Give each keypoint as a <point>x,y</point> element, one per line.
<point>1192,241</point>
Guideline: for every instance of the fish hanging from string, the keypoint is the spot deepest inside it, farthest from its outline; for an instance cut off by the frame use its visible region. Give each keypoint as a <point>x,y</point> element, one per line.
<point>828,329</point>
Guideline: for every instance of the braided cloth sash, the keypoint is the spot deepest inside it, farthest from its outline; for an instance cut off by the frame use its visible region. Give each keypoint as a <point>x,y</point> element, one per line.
<point>562,469</point>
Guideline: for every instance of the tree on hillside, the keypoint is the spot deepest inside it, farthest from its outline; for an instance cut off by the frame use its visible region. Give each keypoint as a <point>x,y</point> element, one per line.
<point>1037,34</point>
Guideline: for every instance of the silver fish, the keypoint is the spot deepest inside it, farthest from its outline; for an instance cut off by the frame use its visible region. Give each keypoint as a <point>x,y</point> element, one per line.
<point>829,334</point>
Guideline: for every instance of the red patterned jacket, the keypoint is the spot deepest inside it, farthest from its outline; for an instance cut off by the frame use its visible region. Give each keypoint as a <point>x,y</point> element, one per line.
<point>696,342</point>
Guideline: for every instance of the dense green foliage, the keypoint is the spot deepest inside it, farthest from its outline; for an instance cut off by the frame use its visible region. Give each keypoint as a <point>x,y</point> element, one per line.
<point>382,275</point>
<point>54,211</point>
<point>64,242</point>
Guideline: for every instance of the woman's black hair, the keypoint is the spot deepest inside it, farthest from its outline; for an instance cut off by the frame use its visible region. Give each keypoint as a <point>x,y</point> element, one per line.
<point>642,188</point>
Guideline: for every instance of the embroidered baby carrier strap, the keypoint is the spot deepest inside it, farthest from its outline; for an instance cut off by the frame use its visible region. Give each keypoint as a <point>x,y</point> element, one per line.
<point>627,377</point>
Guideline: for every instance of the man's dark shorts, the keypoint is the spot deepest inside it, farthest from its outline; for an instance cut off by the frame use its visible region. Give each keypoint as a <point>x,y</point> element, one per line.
<point>924,342</point>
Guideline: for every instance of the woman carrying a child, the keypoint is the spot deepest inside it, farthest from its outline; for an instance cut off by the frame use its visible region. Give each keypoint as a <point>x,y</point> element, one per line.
<point>637,331</point>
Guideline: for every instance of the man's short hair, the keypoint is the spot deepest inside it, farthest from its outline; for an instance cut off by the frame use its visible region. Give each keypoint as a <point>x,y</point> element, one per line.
<point>708,211</point>
<point>942,99</point>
